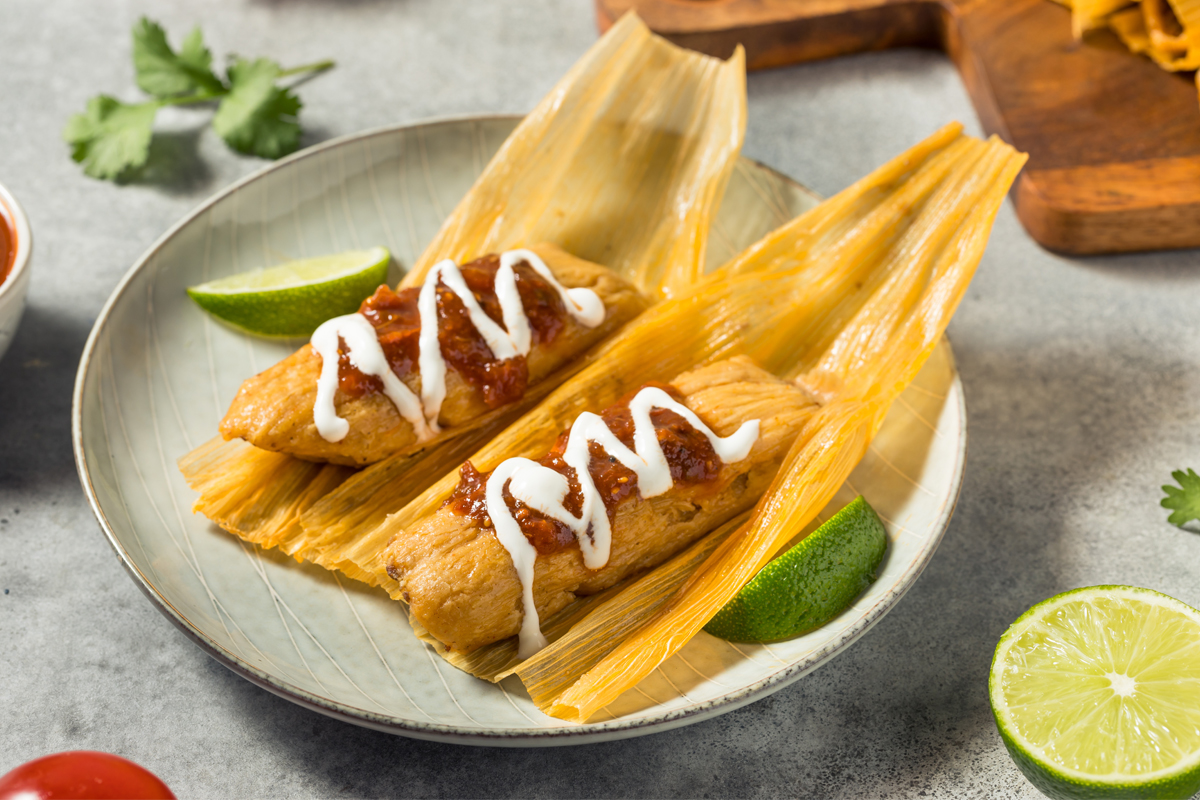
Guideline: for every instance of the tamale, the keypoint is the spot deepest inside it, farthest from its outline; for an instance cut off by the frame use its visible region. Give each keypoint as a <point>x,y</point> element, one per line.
<point>274,410</point>
<point>885,261</point>
<point>458,579</point>
<point>623,163</point>
<point>874,360</point>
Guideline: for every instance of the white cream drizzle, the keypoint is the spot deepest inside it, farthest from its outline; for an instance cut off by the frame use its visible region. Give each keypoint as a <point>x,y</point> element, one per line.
<point>545,490</point>
<point>366,354</point>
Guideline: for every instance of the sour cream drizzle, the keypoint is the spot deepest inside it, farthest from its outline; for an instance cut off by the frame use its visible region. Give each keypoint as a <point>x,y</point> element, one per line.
<point>366,354</point>
<point>545,490</point>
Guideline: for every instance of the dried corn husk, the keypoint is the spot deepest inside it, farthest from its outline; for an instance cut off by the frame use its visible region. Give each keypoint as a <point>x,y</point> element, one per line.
<point>641,135</point>
<point>1130,28</point>
<point>624,163</point>
<point>254,493</point>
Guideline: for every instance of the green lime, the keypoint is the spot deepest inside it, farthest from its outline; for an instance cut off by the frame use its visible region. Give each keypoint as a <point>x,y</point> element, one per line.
<point>294,298</point>
<point>1096,693</point>
<point>811,583</point>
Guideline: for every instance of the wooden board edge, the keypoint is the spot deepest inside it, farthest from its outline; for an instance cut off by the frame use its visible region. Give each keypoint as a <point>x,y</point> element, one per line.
<point>773,38</point>
<point>1146,205</point>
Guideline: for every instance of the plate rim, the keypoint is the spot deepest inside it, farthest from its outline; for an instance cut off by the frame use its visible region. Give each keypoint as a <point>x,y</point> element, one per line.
<point>448,733</point>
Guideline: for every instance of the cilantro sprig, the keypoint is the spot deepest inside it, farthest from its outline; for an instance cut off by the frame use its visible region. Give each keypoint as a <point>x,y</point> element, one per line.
<point>254,114</point>
<point>1184,499</point>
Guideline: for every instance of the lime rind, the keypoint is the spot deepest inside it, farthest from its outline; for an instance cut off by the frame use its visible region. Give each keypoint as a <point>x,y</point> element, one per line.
<point>1180,779</point>
<point>809,584</point>
<point>292,299</point>
<point>301,272</point>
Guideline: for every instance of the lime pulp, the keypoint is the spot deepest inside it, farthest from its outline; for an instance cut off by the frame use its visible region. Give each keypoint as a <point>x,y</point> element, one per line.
<point>1096,693</point>
<point>292,299</point>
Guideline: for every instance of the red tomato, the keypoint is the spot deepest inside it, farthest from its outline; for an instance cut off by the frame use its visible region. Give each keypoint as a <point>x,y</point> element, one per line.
<point>82,775</point>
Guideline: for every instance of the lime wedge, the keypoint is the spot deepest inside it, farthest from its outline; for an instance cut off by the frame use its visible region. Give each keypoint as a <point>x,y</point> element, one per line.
<point>294,298</point>
<point>811,583</point>
<point>1096,693</point>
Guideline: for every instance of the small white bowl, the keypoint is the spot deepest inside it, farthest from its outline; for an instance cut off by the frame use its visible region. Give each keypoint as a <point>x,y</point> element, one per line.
<point>14,288</point>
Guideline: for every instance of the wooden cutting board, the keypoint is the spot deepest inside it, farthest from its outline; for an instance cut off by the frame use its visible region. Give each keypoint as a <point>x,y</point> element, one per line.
<point>1113,141</point>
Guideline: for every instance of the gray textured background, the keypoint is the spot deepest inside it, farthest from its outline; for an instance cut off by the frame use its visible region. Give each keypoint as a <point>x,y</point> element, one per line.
<point>1081,389</point>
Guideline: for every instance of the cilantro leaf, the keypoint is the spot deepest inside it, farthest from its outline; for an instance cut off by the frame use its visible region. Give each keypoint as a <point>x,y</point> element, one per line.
<point>257,117</point>
<point>111,137</point>
<point>1184,501</point>
<point>197,57</point>
<point>162,72</point>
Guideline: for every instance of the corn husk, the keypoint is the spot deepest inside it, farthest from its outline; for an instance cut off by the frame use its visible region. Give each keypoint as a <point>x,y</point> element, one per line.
<point>872,360</point>
<point>640,136</point>
<point>256,494</point>
<point>1130,28</point>
<point>623,163</point>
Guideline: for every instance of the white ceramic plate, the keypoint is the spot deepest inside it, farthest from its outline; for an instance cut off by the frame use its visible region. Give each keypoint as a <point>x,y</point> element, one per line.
<point>157,374</point>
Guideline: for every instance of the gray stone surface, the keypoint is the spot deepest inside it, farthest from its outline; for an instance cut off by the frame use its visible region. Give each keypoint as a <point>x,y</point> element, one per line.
<point>1079,377</point>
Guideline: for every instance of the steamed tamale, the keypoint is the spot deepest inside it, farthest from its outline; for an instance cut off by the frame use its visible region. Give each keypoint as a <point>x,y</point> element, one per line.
<point>459,581</point>
<point>274,409</point>
<point>876,355</point>
<point>624,163</point>
<point>848,300</point>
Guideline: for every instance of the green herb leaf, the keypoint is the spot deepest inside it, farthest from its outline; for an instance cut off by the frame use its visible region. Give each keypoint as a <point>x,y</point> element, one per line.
<point>111,137</point>
<point>162,72</point>
<point>198,60</point>
<point>257,117</point>
<point>1186,500</point>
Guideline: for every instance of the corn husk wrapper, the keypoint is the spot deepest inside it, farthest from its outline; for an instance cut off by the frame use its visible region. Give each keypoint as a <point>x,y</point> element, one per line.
<point>639,135</point>
<point>1167,31</point>
<point>623,163</point>
<point>257,494</point>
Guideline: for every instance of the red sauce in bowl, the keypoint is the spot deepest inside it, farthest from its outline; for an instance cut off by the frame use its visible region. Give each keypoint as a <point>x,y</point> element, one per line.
<point>8,244</point>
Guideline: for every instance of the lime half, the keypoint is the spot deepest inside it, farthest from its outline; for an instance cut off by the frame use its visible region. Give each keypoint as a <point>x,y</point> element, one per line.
<point>294,298</point>
<point>1096,693</point>
<point>811,583</point>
